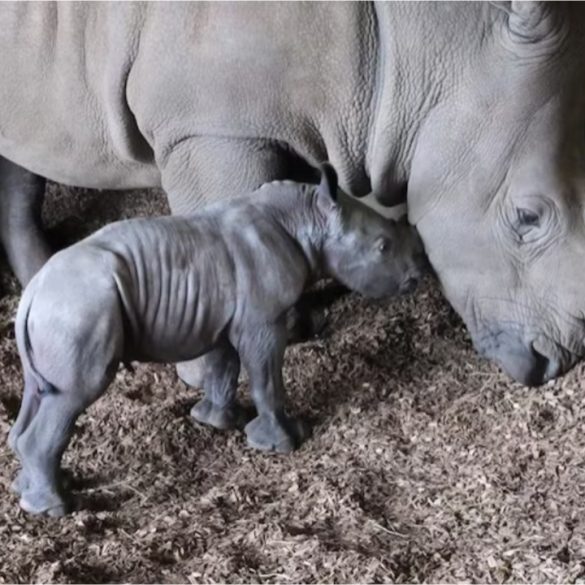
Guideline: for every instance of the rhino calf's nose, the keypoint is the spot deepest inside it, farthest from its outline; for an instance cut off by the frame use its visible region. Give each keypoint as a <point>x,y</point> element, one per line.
<point>409,285</point>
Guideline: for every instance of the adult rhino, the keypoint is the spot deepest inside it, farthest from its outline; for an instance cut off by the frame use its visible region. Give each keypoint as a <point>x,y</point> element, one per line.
<point>474,110</point>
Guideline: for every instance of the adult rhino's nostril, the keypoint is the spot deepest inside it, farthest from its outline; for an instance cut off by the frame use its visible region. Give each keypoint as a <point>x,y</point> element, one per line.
<point>519,359</point>
<point>560,359</point>
<point>554,369</point>
<point>537,373</point>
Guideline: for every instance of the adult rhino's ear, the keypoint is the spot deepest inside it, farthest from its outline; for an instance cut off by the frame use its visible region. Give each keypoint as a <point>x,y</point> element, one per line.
<point>328,184</point>
<point>531,22</point>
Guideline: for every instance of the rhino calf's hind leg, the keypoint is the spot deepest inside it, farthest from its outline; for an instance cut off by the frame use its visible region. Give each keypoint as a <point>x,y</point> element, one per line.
<point>219,379</point>
<point>40,449</point>
<point>21,198</point>
<point>28,410</point>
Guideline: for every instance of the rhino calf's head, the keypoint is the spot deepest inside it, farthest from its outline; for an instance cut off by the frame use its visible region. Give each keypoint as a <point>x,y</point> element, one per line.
<point>368,253</point>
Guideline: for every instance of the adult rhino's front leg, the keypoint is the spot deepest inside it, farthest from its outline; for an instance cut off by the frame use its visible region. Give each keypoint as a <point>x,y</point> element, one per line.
<point>198,171</point>
<point>202,170</point>
<point>21,198</point>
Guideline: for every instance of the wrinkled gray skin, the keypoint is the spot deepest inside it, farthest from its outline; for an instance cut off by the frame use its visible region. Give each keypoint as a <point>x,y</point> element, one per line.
<point>477,108</point>
<point>219,283</point>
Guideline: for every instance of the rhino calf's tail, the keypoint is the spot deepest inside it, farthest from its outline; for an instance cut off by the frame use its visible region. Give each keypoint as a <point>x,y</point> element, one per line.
<point>24,344</point>
<point>35,384</point>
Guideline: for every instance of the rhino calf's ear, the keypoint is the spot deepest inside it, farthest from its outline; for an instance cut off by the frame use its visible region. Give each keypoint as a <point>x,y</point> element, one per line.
<point>328,184</point>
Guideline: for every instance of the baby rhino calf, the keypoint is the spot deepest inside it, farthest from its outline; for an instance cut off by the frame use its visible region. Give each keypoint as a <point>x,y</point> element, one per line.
<point>174,288</point>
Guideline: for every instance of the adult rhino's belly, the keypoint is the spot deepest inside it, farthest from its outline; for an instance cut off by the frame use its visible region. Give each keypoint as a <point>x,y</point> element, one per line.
<point>82,160</point>
<point>61,131</point>
<point>63,113</point>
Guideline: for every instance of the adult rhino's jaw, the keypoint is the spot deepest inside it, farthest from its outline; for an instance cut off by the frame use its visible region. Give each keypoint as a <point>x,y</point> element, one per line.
<point>531,363</point>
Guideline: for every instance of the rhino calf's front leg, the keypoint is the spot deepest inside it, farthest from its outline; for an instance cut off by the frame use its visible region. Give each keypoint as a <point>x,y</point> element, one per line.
<point>219,379</point>
<point>261,349</point>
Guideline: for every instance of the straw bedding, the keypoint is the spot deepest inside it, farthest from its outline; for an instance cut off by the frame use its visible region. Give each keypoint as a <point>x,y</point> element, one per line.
<point>425,464</point>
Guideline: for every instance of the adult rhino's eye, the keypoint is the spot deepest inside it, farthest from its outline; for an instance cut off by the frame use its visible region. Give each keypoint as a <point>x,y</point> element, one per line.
<point>526,220</point>
<point>527,217</point>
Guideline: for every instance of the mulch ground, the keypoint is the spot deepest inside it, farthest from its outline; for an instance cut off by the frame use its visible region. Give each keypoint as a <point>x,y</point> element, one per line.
<point>426,463</point>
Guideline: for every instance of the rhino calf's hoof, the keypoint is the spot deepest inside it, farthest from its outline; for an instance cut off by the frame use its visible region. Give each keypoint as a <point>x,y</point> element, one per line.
<point>21,482</point>
<point>280,434</point>
<point>224,418</point>
<point>44,503</point>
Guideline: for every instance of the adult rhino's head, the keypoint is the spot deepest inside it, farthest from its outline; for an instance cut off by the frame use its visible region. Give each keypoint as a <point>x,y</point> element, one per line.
<point>497,188</point>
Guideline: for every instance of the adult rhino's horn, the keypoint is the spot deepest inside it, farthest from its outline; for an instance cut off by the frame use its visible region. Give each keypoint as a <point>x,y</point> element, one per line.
<point>531,22</point>
<point>328,184</point>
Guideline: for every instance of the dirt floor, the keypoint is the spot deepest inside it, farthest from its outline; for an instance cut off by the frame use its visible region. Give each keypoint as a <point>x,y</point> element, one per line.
<point>426,464</point>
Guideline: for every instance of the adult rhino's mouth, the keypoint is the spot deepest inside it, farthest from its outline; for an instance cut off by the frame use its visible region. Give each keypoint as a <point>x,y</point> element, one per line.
<point>530,360</point>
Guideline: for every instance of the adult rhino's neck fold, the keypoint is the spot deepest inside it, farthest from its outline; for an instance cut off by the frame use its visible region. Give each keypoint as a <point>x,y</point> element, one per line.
<point>344,62</point>
<point>423,49</point>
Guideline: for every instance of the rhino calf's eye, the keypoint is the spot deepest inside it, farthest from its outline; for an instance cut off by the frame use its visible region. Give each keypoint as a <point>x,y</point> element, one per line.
<point>383,245</point>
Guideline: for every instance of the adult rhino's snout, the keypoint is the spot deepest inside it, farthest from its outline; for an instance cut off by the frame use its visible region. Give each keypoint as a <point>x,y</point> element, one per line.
<point>521,359</point>
<point>525,364</point>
